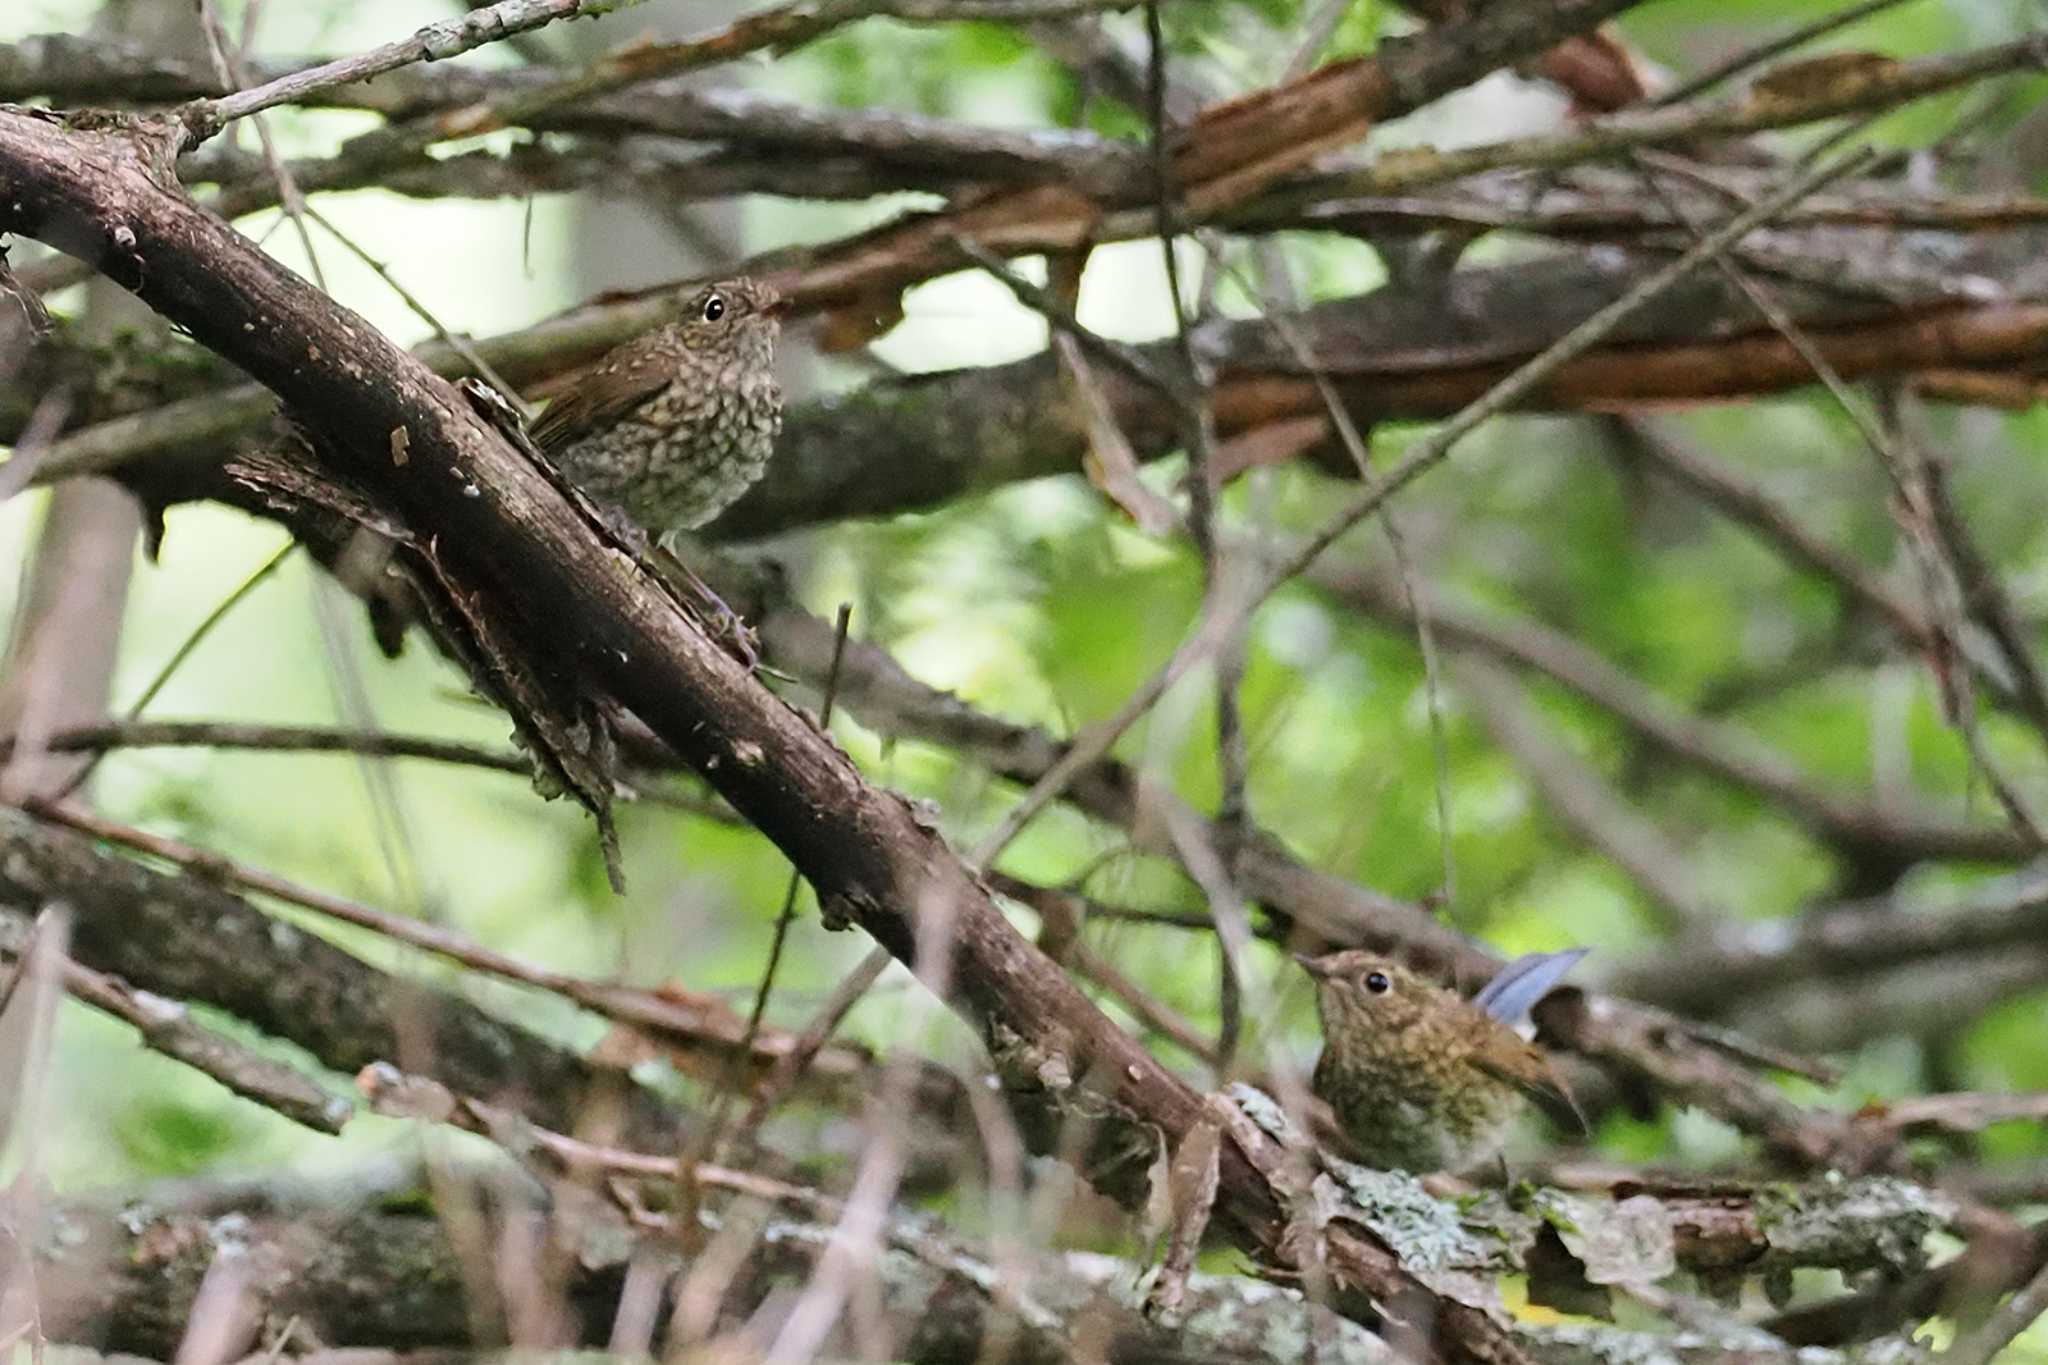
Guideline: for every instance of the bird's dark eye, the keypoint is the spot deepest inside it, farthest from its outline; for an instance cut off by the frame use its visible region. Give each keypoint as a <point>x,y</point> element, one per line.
<point>1377,982</point>
<point>714,308</point>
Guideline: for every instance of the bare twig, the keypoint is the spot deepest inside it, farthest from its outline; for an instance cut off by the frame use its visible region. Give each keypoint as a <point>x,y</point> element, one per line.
<point>1877,90</point>
<point>455,342</point>
<point>1216,627</point>
<point>1771,519</point>
<point>1841,941</point>
<point>167,1027</point>
<point>184,651</point>
<point>435,42</point>
<point>1584,801</point>
<point>1728,751</point>
<point>1756,56</point>
<point>663,1014</point>
<point>1124,358</point>
<point>1984,596</point>
<point>1063,915</point>
<point>212,734</point>
<point>2006,1322</point>
<point>787,915</point>
<point>228,66</point>
<point>1959,1113</point>
<point>1940,575</point>
<point>395,1093</point>
<point>790,1067</point>
<point>713,1138</point>
<point>1198,436</point>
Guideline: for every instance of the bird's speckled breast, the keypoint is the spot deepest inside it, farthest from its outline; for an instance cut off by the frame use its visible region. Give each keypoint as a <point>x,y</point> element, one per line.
<point>688,453</point>
<point>1428,1110</point>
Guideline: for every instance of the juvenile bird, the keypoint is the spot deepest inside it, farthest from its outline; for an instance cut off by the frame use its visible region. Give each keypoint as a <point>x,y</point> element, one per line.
<point>671,427</point>
<point>1420,1078</point>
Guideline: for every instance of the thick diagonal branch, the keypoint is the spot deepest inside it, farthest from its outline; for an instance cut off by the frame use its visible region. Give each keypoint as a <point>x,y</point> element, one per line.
<point>504,540</point>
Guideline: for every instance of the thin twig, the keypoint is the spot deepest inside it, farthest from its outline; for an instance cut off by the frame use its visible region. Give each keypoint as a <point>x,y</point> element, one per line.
<point>210,734</point>
<point>461,345</point>
<point>849,1258</point>
<point>2006,1322</point>
<point>37,438</point>
<point>1205,864</point>
<point>715,1131</point>
<point>1198,436</point>
<point>1064,913</point>
<point>167,1027</point>
<point>1584,802</point>
<point>1984,595</point>
<point>435,42</point>
<point>788,913</point>
<point>1756,56</point>
<point>206,627</point>
<point>1322,26</point>
<point>1733,117</point>
<point>1120,356</point>
<point>790,1067</point>
<point>319,739</point>
<point>1751,505</point>
<point>1425,454</point>
<point>228,66</point>
<point>655,1011</point>
<point>183,652</point>
<point>390,1091</point>
<point>1433,690</point>
<point>1938,571</point>
<point>1725,750</point>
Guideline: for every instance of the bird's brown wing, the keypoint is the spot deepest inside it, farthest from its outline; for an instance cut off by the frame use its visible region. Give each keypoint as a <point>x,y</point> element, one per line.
<point>601,396</point>
<point>1523,1065</point>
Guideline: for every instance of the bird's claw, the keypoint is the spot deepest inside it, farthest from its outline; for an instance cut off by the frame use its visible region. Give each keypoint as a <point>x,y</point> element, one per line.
<point>728,628</point>
<point>720,621</point>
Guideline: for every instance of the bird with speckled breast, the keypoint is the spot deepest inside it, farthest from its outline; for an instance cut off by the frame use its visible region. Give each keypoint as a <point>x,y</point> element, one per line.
<point>1420,1078</point>
<point>670,428</point>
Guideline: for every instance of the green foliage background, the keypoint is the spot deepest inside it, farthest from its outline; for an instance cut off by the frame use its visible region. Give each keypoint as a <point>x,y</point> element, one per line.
<point>1039,604</point>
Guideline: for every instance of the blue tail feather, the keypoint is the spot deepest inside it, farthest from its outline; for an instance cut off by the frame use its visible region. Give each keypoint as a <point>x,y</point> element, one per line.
<point>1519,985</point>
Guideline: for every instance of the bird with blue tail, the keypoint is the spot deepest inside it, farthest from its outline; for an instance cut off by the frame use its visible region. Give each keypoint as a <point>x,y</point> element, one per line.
<point>1420,1078</point>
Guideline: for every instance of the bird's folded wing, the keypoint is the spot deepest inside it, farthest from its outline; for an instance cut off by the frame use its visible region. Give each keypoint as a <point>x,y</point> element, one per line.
<point>602,396</point>
<point>1526,1068</point>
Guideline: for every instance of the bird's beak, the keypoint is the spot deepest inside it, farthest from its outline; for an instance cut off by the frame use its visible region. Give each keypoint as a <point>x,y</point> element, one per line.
<point>1310,965</point>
